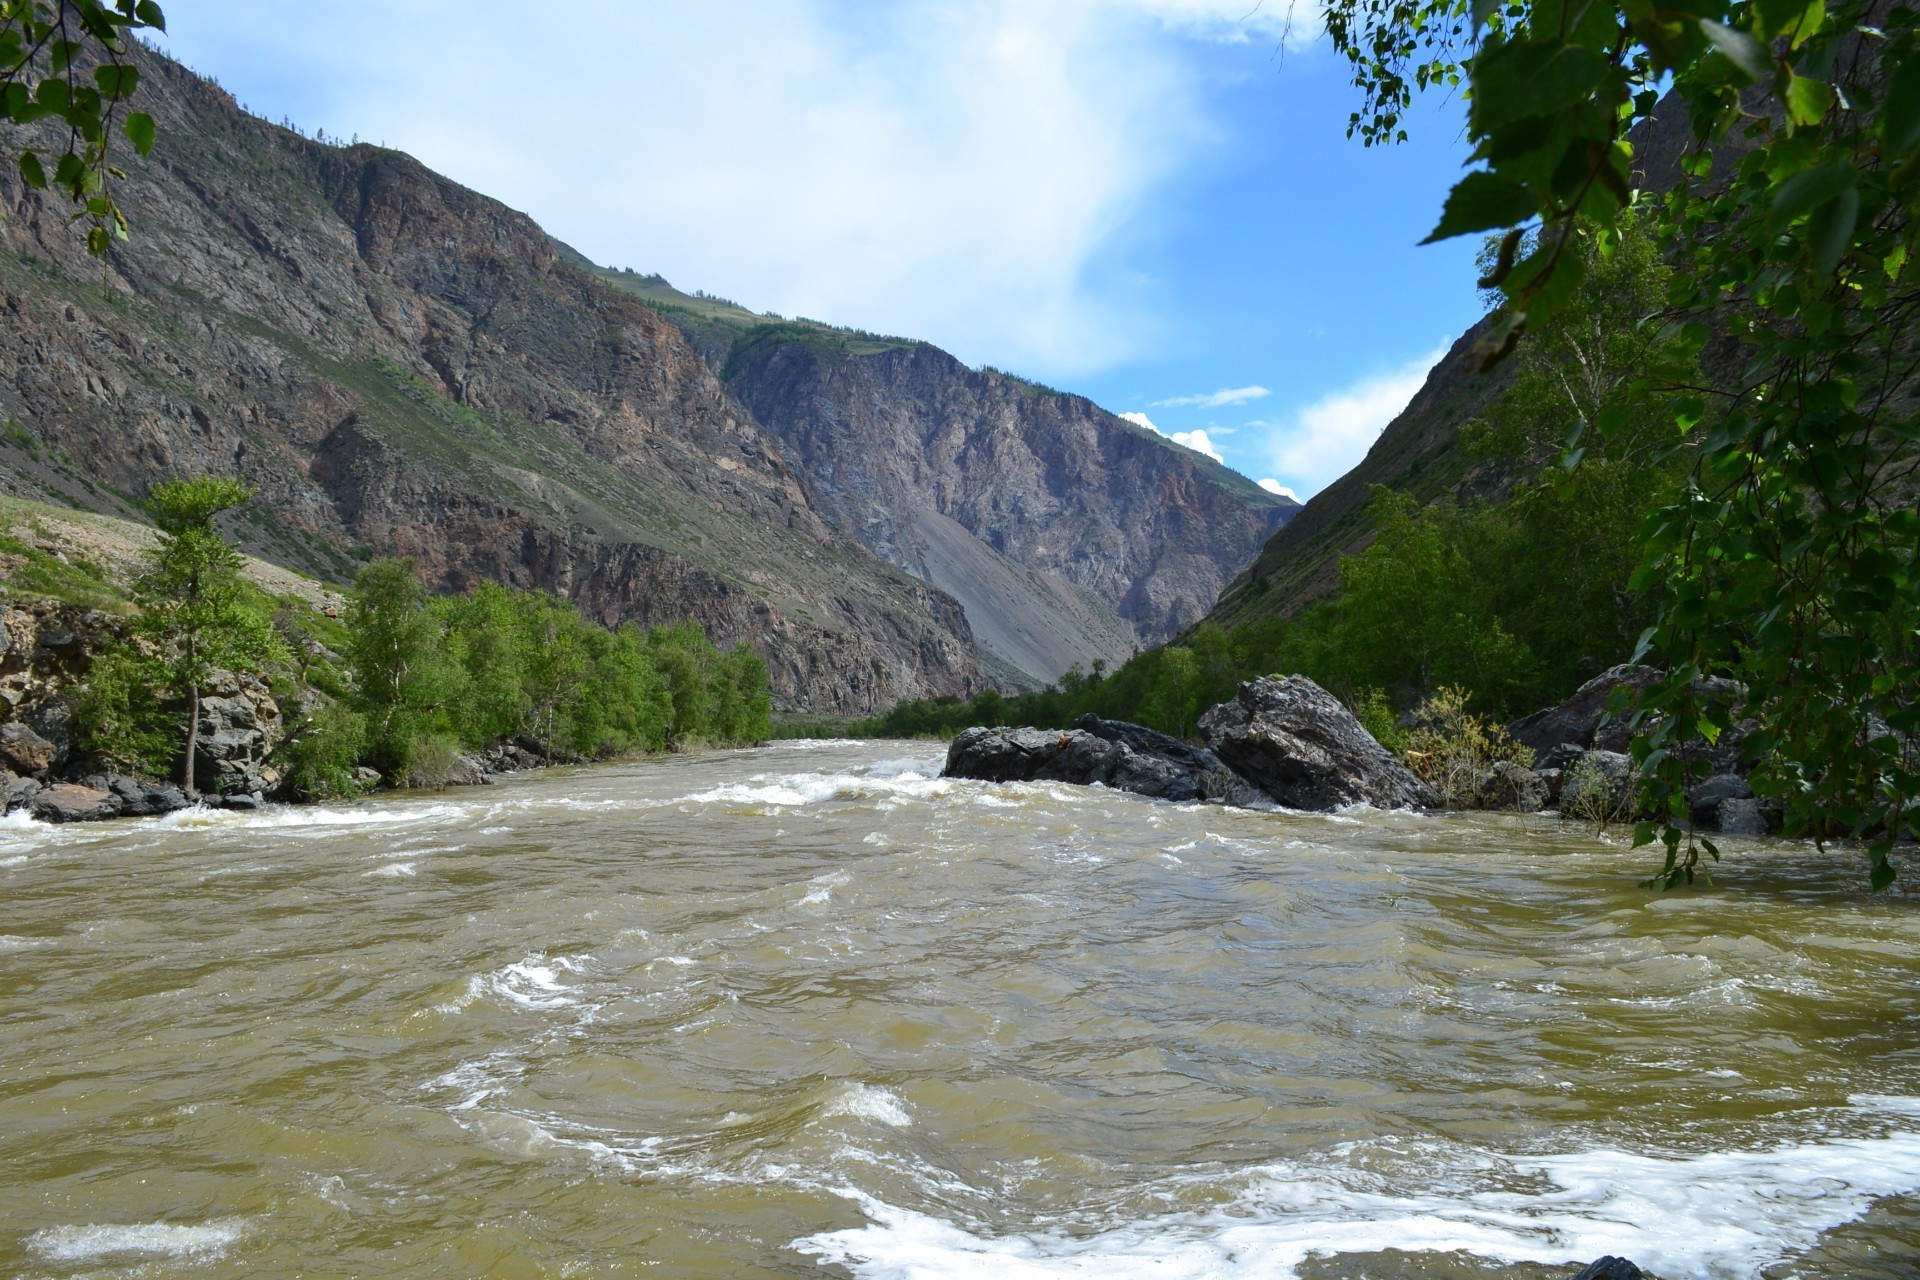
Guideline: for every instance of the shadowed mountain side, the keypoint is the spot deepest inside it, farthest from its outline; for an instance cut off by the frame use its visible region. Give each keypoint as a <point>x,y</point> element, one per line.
<point>402,366</point>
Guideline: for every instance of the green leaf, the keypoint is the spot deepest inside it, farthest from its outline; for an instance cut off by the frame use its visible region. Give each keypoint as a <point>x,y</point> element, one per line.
<point>1808,100</point>
<point>149,15</point>
<point>1518,79</point>
<point>1808,190</point>
<point>1483,201</point>
<point>1899,120</point>
<point>140,131</point>
<point>1830,231</point>
<point>116,81</point>
<point>1739,48</point>
<point>31,172</point>
<point>1883,875</point>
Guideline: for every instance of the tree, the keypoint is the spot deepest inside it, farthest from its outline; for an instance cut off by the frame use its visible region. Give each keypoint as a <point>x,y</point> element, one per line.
<point>398,662</point>
<point>65,61</point>
<point>194,608</point>
<point>1788,560</point>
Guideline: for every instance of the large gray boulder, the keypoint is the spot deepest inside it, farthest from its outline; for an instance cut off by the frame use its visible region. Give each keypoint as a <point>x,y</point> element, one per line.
<point>70,802</point>
<point>1302,747</point>
<point>1582,720</point>
<point>1126,757</point>
<point>240,724</point>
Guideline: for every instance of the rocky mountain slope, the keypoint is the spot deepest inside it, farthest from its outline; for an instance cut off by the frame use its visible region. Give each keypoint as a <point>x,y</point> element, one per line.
<point>1070,535</point>
<point>402,366</point>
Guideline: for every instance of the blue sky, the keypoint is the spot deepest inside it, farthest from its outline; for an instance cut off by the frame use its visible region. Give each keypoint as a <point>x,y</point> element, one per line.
<point>1151,202</point>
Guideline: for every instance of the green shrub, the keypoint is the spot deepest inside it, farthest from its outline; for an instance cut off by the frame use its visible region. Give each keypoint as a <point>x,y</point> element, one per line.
<point>320,751</point>
<point>1451,749</point>
<point>430,759</point>
<point>1377,717</point>
<point>118,719</point>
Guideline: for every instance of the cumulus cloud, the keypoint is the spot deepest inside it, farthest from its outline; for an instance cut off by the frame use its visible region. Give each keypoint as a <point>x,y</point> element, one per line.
<point>942,168</point>
<point>1325,439</point>
<point>1194,440</point>
<point>1277,489</point>
<point>1214,399</point>
<point>1198,442</point>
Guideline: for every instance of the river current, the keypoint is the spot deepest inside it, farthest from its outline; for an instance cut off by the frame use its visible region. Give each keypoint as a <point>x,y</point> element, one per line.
<point>811,1010</point>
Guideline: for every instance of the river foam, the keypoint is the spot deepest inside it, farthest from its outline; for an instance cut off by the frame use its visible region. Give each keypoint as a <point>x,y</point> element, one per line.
<point>152,1239</point>
<point>1714,1216</point>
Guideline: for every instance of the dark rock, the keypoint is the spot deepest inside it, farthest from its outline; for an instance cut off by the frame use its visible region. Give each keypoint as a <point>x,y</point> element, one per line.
<point>1304,749</point>
<point>139,798</point>
<point>467,771</point>
<point>70,802</point>
<point>24,749</point>
<point>245,801</point>
<point>1582,719</point>
<point>239,727</point>
<point>1212,780</point>
<point>1741,817</point>
<point>1551,779</point>
<point>1610,1268</point>
<point>20,791</point>
<point>1560,757</point>
<point>1512,787</point>
<point>1705,798</point>
<point>1083,757</point>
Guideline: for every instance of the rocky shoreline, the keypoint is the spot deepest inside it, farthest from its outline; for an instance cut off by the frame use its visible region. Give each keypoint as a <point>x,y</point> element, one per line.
<point>1288,743</point>
<point>47,649</point>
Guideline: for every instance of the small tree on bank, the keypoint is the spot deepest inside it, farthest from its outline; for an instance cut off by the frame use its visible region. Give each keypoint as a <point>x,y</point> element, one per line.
<point>194,608</point>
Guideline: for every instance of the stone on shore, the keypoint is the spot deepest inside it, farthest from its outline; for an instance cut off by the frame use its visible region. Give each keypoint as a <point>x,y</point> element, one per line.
<point>71,802</point>
<point>1610,1268</point>
<point>24,750</point>
<point>1302,747</point>
<point>1126,757</point>
<point>139,798</point>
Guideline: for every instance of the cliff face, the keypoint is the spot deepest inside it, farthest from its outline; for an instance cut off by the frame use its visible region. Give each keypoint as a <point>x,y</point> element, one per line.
<point>1070,534</point>
<point>401,366</point>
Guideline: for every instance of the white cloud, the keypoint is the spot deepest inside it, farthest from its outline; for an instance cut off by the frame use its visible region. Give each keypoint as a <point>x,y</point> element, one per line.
<point>1194,440</point>
<point>942,168</point>
<point>1325,439</point>
<point>1215,399</point>
<point>1279,490</point>
<point>1198,442</point>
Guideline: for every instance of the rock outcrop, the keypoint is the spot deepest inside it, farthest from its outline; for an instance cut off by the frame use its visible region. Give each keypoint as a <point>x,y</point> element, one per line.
<point>1125,757</point>
<point>1070,534</point>
<point>1304,749</point>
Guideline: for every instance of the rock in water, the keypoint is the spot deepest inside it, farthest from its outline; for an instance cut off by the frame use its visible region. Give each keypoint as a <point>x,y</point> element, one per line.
<point>70,802</point>
<point>1610,1268</point>
<point>1300,745</point>
<point>1126,757</point>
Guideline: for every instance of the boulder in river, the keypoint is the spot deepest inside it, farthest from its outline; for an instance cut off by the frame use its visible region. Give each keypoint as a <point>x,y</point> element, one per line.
<point>1512,787</point>
<point>138,797</point>
<point>1126,757</point>
<point>1302,747</point>
<point>1610,1268</point>
<point>71,802</point>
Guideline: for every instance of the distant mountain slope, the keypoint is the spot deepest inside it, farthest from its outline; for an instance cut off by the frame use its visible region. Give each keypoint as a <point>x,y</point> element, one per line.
<point>1069,534</point>
<point>402,366</point>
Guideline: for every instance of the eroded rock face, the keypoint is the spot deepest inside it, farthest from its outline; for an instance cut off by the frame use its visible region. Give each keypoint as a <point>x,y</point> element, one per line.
<point>25,750</point>
<point>1581,719</point>
<point>1126,757</point>
<point>1302,747</point>
<point>239,727</point>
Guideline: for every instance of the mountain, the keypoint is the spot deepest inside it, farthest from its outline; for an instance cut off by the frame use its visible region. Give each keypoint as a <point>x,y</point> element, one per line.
<point>1071,535</point>
<point>402,366</point>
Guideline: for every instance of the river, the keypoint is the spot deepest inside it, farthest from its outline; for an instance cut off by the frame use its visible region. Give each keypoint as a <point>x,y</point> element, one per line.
<point>812,1011</point>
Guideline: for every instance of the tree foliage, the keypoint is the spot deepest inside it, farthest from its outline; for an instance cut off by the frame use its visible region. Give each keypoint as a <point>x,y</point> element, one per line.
<point>1787,560</point>
<point>65,61</point>
<point>194,610</point>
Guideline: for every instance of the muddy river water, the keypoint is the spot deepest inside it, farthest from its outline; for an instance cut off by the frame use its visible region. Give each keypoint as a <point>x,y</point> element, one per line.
<point>811,1011</point>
